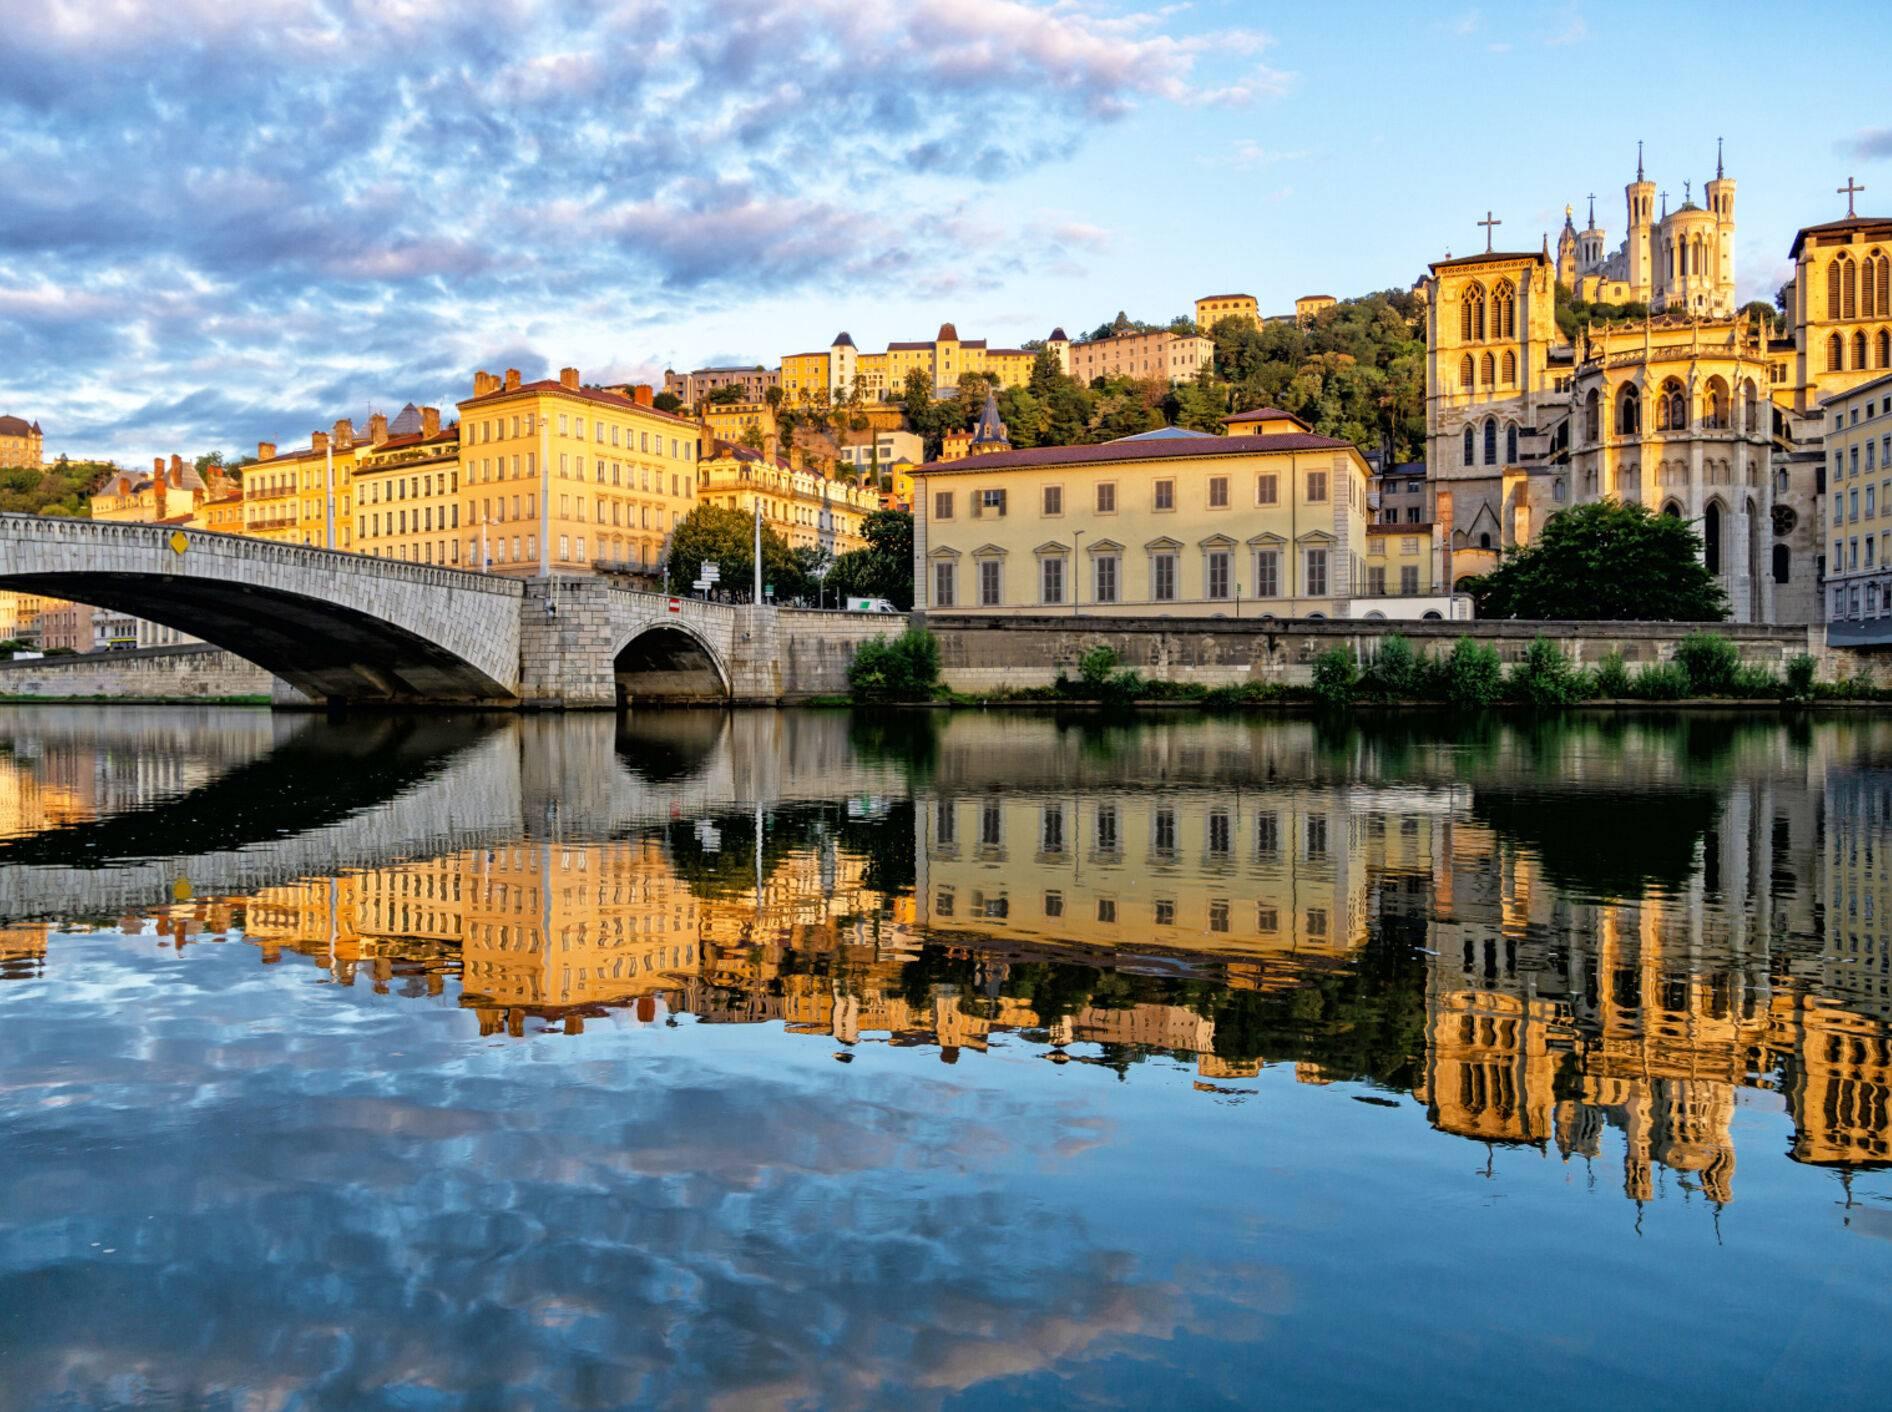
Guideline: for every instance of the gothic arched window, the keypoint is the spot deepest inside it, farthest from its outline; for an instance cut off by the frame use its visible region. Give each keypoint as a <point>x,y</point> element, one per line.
<point>1465,372</point>
<point>1491,441</point>
<point>1849,275</point>
<point>1504,310</point>
<point>1671,407</point>
<point>1470,457</point>
<point>1885,348</point>
<point>1835,357</point>
<point>1835,285</point>
<point>1628,412</point>
<point>1882,285</point>
<point>1592,415</point>
<point>1859,350</point>
<point>1715,409</point>
<point>1471,318</point>
<point>1485,366</point>
<point>1511,443</point>
<point>1510,368</point>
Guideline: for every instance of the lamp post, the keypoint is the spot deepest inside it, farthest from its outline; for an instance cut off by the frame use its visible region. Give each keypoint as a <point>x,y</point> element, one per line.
<point>1077,573</point>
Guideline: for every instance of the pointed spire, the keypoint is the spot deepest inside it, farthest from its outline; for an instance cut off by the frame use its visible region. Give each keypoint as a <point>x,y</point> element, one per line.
<point>1719,174</point>
<point>1639,159</point>
<point>1592,210</point>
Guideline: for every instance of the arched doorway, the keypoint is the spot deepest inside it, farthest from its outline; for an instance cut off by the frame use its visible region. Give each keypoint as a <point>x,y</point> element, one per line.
<point>1711,537</point>
<point>668,664</point>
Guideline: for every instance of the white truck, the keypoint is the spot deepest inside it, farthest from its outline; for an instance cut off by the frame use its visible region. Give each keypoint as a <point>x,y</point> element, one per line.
<point>870,605</point>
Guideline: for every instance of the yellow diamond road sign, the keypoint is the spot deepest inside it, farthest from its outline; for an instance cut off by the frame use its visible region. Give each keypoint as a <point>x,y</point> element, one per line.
<point>179,542</point>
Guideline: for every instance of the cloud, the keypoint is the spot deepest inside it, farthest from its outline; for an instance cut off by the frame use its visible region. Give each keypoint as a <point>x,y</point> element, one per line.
<point>204,194</point>
<point>1570,30</point>
<point>1868,144</point>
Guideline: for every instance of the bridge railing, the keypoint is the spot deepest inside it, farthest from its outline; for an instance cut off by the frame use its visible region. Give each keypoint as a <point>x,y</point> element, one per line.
<point>60,530</point>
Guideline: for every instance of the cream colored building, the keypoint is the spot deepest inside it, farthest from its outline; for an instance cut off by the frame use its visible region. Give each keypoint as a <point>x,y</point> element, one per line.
<point>842,369</point>
<point>407,495</point>
<point>1171,357</point>
<point>21,442</point>
<point>1857,512</point>
<point>173,493</point>
<point>808,510</point>
<point>1157,524</point>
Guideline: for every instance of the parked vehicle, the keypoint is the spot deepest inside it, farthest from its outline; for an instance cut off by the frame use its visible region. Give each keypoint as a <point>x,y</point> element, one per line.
<point>870,605</point>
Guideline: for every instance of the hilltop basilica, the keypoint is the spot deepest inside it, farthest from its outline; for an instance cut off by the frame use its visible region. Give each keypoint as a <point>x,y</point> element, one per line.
<point>1694,408</point>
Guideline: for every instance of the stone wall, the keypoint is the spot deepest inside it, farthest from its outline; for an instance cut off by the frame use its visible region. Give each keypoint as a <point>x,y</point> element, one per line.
<point>814,647</point>
<point>984,653</point>
<point>153,674</point>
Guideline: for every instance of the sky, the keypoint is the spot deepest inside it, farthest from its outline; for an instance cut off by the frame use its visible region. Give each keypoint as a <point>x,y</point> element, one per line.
<point>237,220</point>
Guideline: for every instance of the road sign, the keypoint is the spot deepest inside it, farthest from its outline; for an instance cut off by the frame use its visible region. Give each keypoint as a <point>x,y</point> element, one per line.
<point>676,605</point>
<point>179,543</point>
<point>712,572</point>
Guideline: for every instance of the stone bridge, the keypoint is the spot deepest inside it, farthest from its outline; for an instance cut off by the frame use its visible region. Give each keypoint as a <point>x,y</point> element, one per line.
<point>350,629</point>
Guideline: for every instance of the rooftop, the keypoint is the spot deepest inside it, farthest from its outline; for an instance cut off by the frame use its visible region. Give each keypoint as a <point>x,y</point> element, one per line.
<point>1876,225</point>
<point>583,394</point>
<point>1131,449</point>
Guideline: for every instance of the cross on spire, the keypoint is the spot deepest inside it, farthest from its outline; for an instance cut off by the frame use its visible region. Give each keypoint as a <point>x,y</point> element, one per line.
<point>1850,190</point>
<point>1665,203</point>
<point>1488,222</point>
<point>1639,159</point>
<point>1592,210</point>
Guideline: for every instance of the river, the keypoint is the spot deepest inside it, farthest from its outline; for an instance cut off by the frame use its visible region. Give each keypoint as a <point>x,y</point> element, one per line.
<point>897,1059</point>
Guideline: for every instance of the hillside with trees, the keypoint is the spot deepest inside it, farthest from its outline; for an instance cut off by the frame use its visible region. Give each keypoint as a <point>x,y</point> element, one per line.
<point>63,488</point>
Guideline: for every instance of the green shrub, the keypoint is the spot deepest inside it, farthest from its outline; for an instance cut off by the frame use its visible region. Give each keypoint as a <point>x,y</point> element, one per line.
<point>905,668</point>
<point>1335,676</point>
<point>1474,677</point>
<point>1545,676</point>
<point>1612,677</point>
<point>1710,661</point>
<point>1395,670</point>
<point>1800,672</point>
<point>1660,681</point>
<point>1755,683</point>
<point>1095,666</point>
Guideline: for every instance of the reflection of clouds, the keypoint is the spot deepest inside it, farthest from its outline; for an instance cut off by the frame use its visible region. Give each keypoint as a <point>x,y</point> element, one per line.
<point>383,1205</point>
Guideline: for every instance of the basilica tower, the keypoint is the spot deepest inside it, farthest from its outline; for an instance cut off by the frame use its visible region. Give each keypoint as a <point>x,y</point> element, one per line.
<point>1639,197</point>
<point>1720,194</point>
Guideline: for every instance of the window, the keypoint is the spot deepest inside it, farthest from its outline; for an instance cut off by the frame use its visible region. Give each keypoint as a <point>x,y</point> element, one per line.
<point>1470,456</point>
<point>1316,487</point>
<point>942,505</point>
<point>1267,573</point>
<point>1409,580</point>
<point>1165,495</point>
<point>1163,577</point>
<point>1317,573</point>
<point>1054,904</point>
<point>1511,443</point>
<point>1051,580</point>
<point>1510,368</point>
<point>1107,828</point>
<point>1104,575</point>
<point>1486,370</point>
<point>1267,491</point>
<point>1267,919</point>
<point>1165,912</point>
<point>1218,492</point>
<point>1054,500</point>
<point>1465,372</point>
<point>988,502</point>
<point>1376,581</point>
<point>1471,324</point>
<point>1106,497</point>
<point>1628,412</point>
<point>1163,831</point>
<point>1218,574</point>
<point>1106,909</point>
<point>1221,835</point>
<point>1491,441</point>
<point>943,583</point>
<point>1051,829</point>
<point>1317,921</point>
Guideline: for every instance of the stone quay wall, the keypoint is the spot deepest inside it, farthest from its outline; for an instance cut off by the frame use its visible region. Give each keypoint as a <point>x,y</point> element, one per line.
<point>189,673</point>
<point>983,653</point>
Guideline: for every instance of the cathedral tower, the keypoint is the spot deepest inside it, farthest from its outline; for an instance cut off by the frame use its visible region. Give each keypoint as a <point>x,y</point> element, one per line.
<point>1639,196</point>
<point>1720,193</point>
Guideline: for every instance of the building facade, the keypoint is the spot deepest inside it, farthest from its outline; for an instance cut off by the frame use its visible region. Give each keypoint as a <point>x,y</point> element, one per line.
<point>841,370</point>
<point>692,388</point>
<point>1211,309</point>
<point>1185,525</point>
<point>1857,512</point>
<point>407,494</point>
<point>21,442</point>
<point>1171,357</point>
<point>808,510</point>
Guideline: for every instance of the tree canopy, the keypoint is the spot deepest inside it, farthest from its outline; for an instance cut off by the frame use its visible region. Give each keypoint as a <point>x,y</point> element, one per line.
<point>724,537</point>
<point>1606,561</point>
<point>63,488</point>
<point>884,569</point>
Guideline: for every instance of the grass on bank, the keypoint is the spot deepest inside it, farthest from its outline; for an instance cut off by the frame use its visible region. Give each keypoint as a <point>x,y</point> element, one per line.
<point>1470,676</point>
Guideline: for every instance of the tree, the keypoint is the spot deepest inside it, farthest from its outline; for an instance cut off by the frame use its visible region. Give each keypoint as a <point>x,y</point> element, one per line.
<point>1609,562</point>
<point>728,393</point>
<point>884,569</point>
<point>717,535</point>
<point>667,402</point>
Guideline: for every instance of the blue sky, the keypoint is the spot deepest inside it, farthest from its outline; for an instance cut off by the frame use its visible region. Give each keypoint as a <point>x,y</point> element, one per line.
<point>229,222</point>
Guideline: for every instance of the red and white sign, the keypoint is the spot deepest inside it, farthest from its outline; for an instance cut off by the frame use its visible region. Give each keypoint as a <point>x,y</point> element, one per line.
<point>676,605</point>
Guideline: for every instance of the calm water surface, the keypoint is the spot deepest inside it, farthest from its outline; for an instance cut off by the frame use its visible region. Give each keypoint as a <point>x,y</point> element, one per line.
<point>846,1061</point>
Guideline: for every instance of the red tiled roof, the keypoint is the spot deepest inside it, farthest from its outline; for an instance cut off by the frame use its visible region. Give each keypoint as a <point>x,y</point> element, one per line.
<point>1265,414</point>
<point>1111,452</point>
<point>15,426</point>
<point>583,394</point>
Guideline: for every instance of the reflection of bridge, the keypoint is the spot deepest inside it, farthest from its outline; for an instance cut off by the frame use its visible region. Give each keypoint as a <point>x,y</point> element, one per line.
<point>349,628</point>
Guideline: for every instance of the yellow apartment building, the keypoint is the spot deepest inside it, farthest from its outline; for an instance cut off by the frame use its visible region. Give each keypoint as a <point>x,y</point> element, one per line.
<point>807,509</point>
<point>407,495</point>
<point>944,359</point>
<point>1310,307</point>
<point>1213,308</point>
<point>288,496</point>
<point>1857,511</point>
<point>733,421</point>
<point>1169,522</point>
<point>569,477</point>
<point>173,492</point>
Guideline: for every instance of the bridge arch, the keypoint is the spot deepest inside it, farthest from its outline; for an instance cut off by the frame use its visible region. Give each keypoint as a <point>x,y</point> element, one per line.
<point>669,662</point>
<point>340,628</point>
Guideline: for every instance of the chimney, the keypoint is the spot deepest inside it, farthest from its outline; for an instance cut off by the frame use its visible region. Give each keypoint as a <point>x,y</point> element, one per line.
<point>158,487</point>
<point>343,433</point>
<point>318,441</point>
<point>177,471</point>
<point>157,468</point>
<point>641,394</point>
<point>265,450</point>
<point>483,383</point>
<point>512,379</point>
<point>430,421</point>
<point>378,428</point>
<point>568,377</point>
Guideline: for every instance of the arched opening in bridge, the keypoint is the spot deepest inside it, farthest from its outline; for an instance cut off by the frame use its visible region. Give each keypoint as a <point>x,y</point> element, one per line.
<point>668,666</point>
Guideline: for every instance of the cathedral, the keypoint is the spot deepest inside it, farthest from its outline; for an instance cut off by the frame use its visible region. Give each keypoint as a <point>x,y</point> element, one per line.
<point>1688,405</point>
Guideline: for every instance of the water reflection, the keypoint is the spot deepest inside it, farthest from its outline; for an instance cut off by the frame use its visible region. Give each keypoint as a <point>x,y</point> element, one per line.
<point>1655,953</point>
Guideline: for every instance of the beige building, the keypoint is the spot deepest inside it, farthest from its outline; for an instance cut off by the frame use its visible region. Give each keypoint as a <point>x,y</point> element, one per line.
<point>170,493</point>
<point>692,388</point>
<point>407,494</point>
<point>886,450</point>
<point>1857,512</point>
<point>1172,357</point>
<point>21,443</point>
<point>842,370</point>
<point>1839,308</point>
<point>1211,309</point>
<point>807,509</point>
<point>1310,307</point>
<point>1164,523</point>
